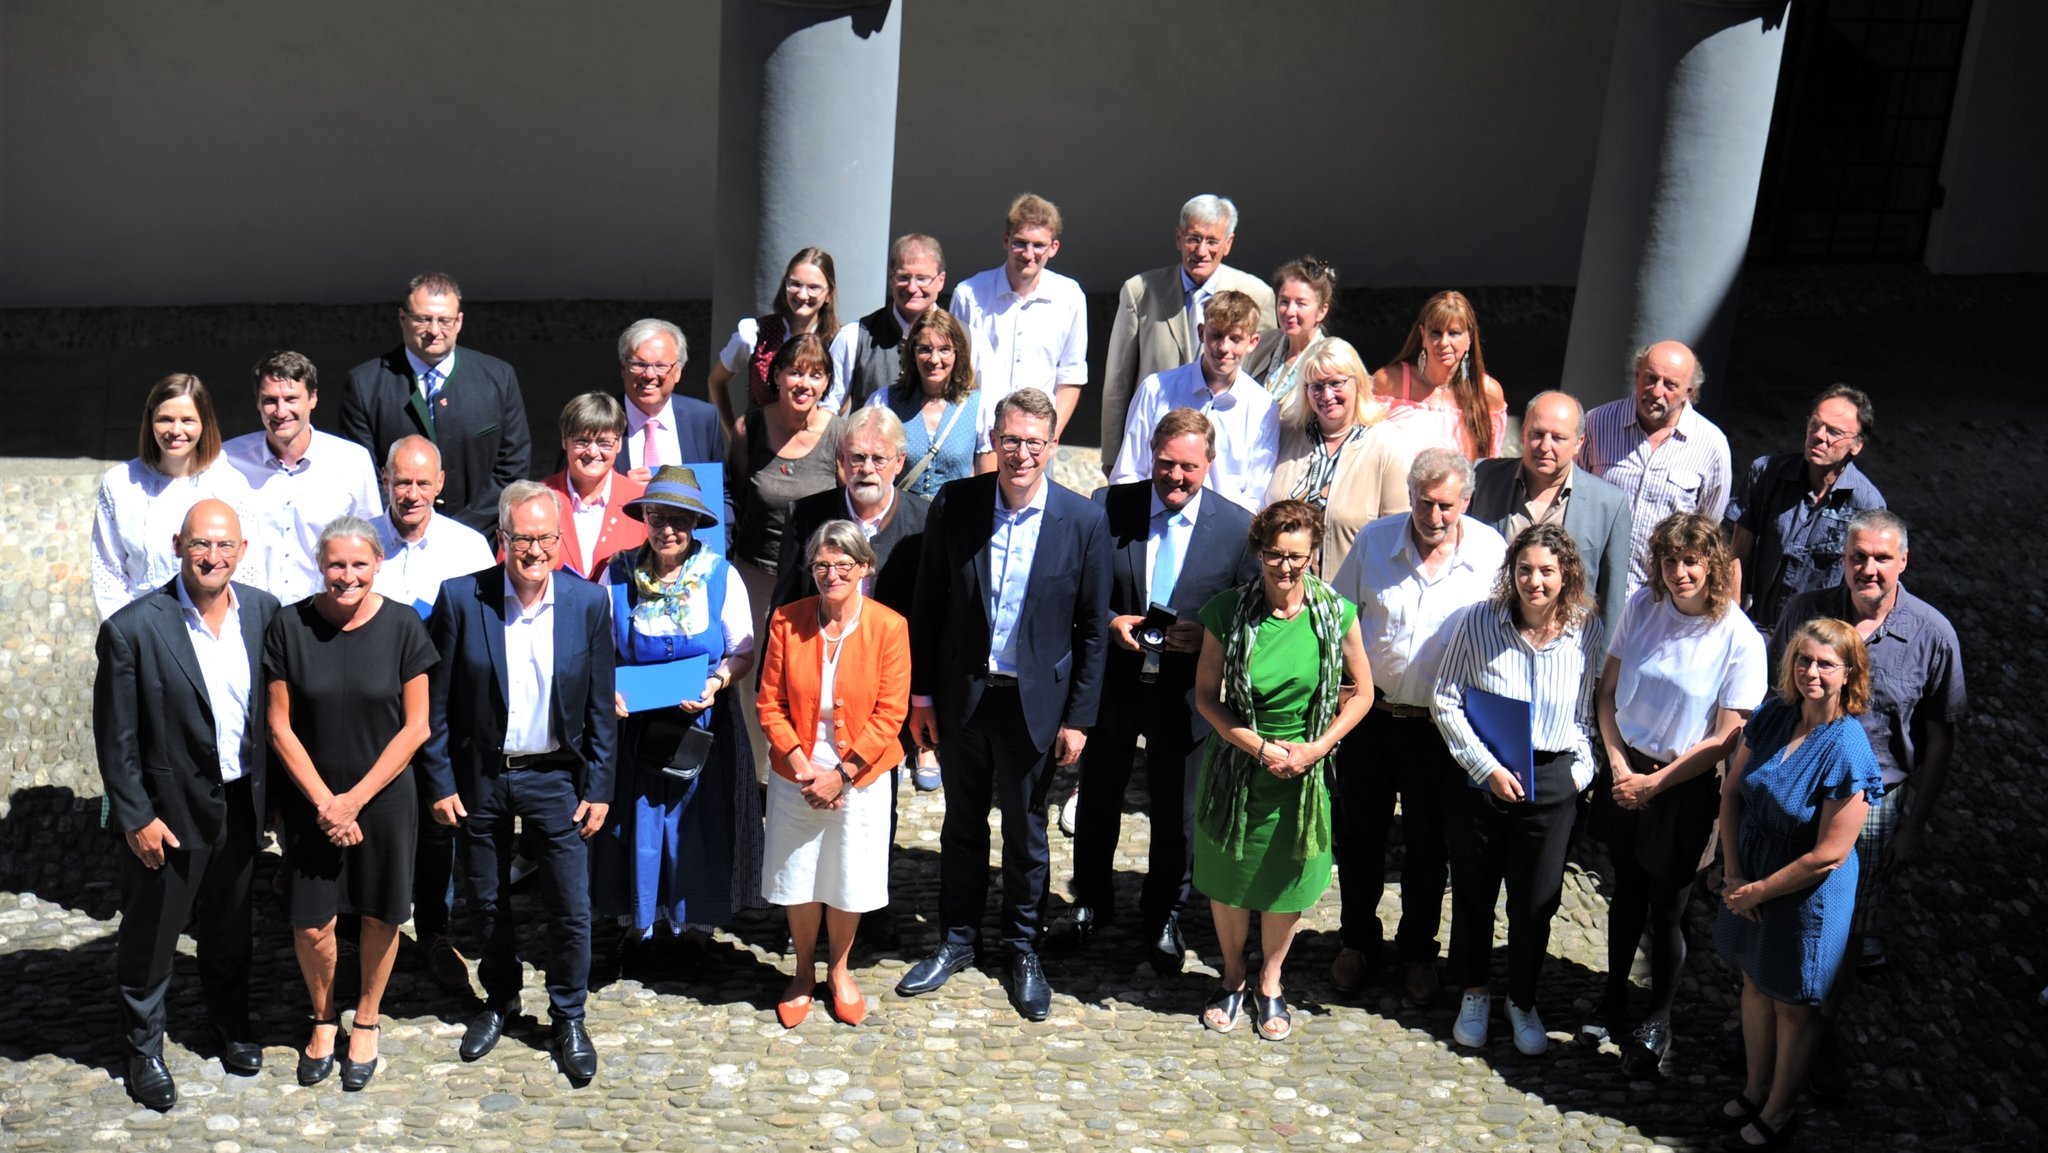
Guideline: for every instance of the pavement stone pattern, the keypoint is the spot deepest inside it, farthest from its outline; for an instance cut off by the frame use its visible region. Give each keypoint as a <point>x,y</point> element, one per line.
<point>1947,1046</point>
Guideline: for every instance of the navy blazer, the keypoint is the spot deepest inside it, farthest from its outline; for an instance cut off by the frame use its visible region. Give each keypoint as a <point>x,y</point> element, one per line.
<point>1062,632</point>
<point>468,700</point>
<point>1597,517</point>
<point>898,545</point>
<point>479,426</point>
<point>152,720</point>
<point>1219,557</point>
<point>700,436</point>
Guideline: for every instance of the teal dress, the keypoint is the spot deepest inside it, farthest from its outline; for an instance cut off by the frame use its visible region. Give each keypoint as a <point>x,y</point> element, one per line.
<point>1284,666</point>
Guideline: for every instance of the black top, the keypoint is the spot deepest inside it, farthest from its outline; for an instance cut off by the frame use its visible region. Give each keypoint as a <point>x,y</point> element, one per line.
<point>347,687</point>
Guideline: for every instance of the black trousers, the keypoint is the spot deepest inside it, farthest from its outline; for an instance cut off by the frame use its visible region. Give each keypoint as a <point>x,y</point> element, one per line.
<point>155,905</point>
<point>991,760</point>
<point>543,798</point>
<point>1524,844</point>
<point>1384,756</point>
<point>1173,757</point>
<point>433,870</point>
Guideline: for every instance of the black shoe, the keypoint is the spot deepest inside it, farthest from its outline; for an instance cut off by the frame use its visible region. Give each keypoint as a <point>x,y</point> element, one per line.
<point>1642,1055</point>
<point>1169,949</point>
<point>1871,957</point>
<point>878,929</point>
<point>242,1058</point>
<point>1028,990</point>
<point>150,1084</point>
<point>1073,929</point>
<point>930,974</point>
<point>313,1070</point>
<point>356,1074</point>
<point>573,1048</point>
<point>1608,1023</point>
<point>481,1036</point>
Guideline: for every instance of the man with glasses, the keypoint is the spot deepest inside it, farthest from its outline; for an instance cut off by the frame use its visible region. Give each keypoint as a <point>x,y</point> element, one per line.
<point>662,427</point>
<point>178,721</point>
<point>867,357</point>
<point>1159,313</point>
<point>1027,326</point>
<point>1409,574</point>
<point>523,727</point>
<point>1791,524</point>
<point>466,402</point>
<point>1009,631</point>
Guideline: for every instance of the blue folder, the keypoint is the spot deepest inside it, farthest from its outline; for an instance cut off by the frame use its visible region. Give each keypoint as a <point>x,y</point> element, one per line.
<point>1506,727</point>
<point>664,685</point>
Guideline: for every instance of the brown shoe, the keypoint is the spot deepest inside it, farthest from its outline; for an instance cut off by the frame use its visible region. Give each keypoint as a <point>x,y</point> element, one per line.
<point>1348,971</point>
<point>1423,983</point>
<point>447,966</point>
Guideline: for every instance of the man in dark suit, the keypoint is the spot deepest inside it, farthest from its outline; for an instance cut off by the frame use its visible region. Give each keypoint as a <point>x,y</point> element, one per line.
<point>1543,485</point>
<point>662,427</point>
<point>1008,638</point>
<point>467,403</point>
<point>178,720</point>
<point>1177,546</point>
<point>524,692</point>
<point>871,457</point>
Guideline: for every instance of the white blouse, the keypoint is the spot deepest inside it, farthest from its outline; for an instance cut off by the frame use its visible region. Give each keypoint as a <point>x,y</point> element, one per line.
<point>1677,671</point>
<point>139,514</point>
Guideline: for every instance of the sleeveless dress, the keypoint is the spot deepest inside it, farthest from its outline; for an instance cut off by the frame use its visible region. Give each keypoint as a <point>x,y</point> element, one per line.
<point>772,484</point>
<point>1792,954</point>
<point>675,851</point>
<point>1433,426</point>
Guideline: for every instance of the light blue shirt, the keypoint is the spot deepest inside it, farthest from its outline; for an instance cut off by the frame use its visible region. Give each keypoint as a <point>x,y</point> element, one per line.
<point>1010,552</point>
<point>1182,527</point>
<point>419,370</point>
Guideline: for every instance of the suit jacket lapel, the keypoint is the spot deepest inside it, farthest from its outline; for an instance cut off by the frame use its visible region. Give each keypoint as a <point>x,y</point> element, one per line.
<point>982,522</point>
<point>1177,321</point>
<point>567,645</point>
<point>169,623</point>
<point>1128,520</point>
<point>492,594</point>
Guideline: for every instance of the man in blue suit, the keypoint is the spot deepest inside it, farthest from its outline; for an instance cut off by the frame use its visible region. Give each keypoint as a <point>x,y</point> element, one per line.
<point>677,429</point>
<point>524,726</point>
<point>1175,544</point>
<point>1008,639</point>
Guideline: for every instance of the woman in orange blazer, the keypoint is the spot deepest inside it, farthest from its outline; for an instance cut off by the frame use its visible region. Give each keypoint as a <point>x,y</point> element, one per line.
<point>835,687</point>
<point>595,526</point>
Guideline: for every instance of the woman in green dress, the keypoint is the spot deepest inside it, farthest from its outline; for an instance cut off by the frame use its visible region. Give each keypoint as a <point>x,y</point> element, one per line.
<point>1283,677</point>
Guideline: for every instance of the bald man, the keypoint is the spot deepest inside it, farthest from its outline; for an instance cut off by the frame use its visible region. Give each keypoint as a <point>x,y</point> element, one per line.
<point>1544,486</point>
<point>179,691</point>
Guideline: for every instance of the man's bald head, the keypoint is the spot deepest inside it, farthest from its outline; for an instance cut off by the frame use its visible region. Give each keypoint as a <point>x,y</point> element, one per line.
<point>412,480</point>
<point>1552,428</point>
<point>1668,377</point>
<point>209,546</point>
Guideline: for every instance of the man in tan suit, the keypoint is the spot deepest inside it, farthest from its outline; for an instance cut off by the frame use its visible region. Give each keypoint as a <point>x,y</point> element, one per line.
<point>1152,331</point>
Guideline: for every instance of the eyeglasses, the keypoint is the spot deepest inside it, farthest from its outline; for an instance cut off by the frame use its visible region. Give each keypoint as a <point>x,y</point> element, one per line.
<point>657,367</point>
<point>843,568</point>
<point>864,459</point>
<point>676,520</point>
<point>523,543</point>
<point>1827,433</point>
<point>1030,446</point>
<point>1334,384</point>
<point>601,443</point>
<point>935,351</point>
<point>451,323</point>
<point>909,280</point>
<point>203,547</point>
<point>1274,558</point>
<point>1818,664</point>
<point>1034,247</point>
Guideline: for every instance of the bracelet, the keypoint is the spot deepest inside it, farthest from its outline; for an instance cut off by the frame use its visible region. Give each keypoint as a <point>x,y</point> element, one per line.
<point>846,780</point>
<point>1262,748</point>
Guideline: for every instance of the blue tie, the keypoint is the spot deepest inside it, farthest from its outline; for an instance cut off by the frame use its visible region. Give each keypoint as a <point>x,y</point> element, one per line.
<point>430,383</point>
<point>1166,561</point>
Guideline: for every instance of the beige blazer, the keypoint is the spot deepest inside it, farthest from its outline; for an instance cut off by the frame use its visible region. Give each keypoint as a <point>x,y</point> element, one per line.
<point>1150,334</point>
<point>1371,482</point>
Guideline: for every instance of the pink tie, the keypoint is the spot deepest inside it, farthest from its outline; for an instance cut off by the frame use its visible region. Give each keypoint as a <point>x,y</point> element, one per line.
<point>648,451</point>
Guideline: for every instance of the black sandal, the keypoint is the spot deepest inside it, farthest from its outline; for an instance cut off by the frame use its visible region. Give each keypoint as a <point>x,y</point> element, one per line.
<point>356,1074</point>
<point>1721,1118</point>
<point>313,1070</point>
<point>1228,1002</point>
<point>1774,1137</point>
<point>1274,1021</point>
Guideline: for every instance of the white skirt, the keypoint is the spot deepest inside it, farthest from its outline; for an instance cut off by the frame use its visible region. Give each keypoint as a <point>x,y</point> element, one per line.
<point>838,856</point>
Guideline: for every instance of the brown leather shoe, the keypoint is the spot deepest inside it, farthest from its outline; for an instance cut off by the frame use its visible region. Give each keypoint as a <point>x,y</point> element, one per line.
<point>1348,971</point>
<point>1423,984</point>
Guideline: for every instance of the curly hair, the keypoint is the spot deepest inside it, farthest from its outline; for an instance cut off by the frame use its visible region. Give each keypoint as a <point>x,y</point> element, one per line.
<point>1684,534</point>
<point>1573,601</point>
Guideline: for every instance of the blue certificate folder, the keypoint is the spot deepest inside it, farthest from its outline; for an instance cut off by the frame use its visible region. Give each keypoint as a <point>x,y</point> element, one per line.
<point>664,685</point>
<point>1506,727</point>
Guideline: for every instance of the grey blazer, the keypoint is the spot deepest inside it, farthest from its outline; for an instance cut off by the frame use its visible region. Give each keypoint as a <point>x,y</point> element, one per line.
<point>1597,516</point>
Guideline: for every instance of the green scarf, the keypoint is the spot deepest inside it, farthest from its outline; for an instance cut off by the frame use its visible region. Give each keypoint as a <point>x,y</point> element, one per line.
<point>1227,786</point>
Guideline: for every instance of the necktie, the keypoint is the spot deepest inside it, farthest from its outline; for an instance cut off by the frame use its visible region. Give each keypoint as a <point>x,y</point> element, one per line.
<point>1194,319</point>
<point>1166,559</point>
<point>430,383</point>
<point>649,449</point>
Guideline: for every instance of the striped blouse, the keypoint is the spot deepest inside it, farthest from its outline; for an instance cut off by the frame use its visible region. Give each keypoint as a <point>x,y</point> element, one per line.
<point>1690,472</point>
<point>1488,652</point>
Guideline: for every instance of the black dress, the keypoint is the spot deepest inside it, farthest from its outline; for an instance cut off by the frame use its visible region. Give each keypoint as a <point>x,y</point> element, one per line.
<point>347,702</point>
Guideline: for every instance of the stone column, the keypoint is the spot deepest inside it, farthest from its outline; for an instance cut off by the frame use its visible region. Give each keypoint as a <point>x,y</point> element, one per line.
<point>806,150</point>
<point>1689,96</point>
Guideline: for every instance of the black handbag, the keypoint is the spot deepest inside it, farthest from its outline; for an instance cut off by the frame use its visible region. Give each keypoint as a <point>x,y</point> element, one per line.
<point>672,744</point>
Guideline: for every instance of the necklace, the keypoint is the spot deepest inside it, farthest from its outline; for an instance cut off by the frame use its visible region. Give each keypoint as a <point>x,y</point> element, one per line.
<point>846,627</point>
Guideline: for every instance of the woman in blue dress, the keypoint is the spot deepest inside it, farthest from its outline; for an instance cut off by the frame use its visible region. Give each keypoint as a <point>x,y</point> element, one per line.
<point>945,422</point>
<point>1796,796</point>
<point>678,846</point>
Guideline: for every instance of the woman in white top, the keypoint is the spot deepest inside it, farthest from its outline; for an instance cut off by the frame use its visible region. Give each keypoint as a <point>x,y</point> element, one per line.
<point>1437,386</point>
<point>808,303</point>
<point>1303,291</point>
<point>1536,640</point>
<point>1683,672</point>
<point>142,503</point>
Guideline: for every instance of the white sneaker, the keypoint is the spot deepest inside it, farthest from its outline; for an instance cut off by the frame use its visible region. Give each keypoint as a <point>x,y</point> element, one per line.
<point>1473,1010</point>
<point>1068,810</point>
<point>1529,1035</point>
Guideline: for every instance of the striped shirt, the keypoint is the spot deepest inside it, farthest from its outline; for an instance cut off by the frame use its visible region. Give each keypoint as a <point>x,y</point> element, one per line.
<point>1691,471</point>
<point>1487,652</point>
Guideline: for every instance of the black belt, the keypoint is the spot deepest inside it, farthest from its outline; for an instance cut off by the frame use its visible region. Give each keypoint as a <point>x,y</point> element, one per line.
<point>1381,704</point>
<point>555,759</point>
<point>999,681</point>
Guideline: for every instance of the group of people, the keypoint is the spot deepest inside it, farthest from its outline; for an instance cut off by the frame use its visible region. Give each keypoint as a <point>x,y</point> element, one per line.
<point>1313,590</point>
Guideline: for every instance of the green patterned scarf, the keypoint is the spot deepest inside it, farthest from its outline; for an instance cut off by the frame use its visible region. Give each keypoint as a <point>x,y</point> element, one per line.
<point>1227,786</point>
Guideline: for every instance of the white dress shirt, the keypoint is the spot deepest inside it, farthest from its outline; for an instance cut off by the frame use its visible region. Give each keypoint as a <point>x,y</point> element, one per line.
<point>869,526</point>
<point>1690,472</point>
<point>1246,422</point>
<point>1677,672</point>
<point>140,513</point>
<point>412,571</point>
<point>1038,341</point>
<point>529,671</point>
<point>845,351</point>
<point>1010,552</point>
<point>1404,614</point>
<point>291,505</point>
<point>224,666</point>
<point>1486,651</point>
<point>668,449</point>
